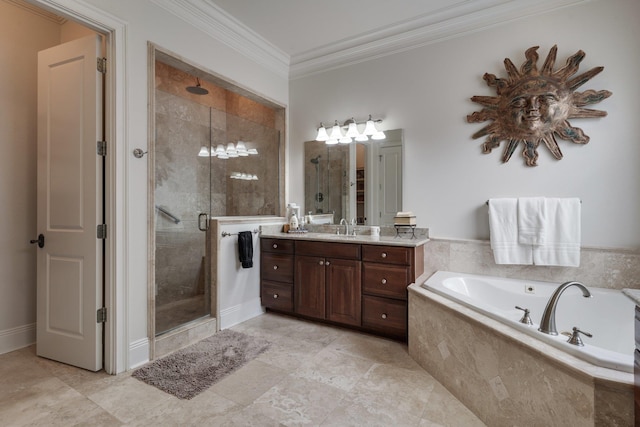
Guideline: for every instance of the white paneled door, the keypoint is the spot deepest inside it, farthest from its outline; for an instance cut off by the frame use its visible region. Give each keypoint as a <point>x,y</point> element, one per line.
<point>70,204</point>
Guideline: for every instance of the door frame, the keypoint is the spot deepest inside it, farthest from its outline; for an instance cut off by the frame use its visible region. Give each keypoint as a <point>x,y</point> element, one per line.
<point>116,340</point>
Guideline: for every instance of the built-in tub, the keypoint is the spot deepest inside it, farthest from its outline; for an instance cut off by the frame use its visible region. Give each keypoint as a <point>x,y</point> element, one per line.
<point>608,315</point>
<point>463,329</point>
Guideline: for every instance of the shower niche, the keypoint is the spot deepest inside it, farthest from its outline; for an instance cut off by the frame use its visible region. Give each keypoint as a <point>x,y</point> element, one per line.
<point>215,151</point>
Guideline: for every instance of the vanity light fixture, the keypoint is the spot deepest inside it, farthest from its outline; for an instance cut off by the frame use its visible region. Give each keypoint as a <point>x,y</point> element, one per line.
<point>352,133</point>
<point>243,176</point>
<point>204,151</point>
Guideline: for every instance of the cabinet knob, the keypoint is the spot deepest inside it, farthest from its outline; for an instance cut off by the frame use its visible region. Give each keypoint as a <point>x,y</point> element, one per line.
<point>321,262</point>
<point>384,281</point>
<point>327,263</point>
<point>275,267</point>
<point>384,315</point>
<point>383,255</point>
<point>275,296</point>
<point>275,246</point>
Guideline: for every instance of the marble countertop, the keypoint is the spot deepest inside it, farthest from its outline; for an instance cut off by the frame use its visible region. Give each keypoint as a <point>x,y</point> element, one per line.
<point>634,294</point>
<point>402,240</point>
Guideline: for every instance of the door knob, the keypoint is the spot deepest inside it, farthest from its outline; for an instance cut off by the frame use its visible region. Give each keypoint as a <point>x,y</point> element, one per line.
<point>39,241</point>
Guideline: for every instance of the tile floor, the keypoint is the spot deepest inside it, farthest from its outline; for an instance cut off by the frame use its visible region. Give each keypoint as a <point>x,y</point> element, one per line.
<point>312,375</point>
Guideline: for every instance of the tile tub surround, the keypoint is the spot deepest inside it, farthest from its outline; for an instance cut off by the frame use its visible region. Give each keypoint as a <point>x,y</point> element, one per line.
<point>599,267</point>
<point>508,378</point>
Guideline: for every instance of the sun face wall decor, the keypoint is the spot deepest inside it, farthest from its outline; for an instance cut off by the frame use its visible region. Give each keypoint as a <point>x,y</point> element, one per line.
<point>534,106</point>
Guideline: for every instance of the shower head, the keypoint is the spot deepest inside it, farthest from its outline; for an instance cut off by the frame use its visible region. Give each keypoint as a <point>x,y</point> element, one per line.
<point>197,89</point>
<point>315,160</point>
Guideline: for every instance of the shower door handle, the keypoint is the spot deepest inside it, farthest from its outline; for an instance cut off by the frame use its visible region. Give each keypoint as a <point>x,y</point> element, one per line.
<point>206,222</point>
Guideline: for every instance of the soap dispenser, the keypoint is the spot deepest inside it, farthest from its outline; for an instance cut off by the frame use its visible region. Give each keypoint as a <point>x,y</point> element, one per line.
<point>293,222</point>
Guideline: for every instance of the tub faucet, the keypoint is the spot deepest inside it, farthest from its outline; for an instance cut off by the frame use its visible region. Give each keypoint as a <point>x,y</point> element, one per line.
<point>548,321</point>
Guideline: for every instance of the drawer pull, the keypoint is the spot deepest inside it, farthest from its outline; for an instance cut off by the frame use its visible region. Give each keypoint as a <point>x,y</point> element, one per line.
<point>384,315</point>
<point>384,281</point>
<point>275,267</point>
<point>383,255</point>
<point>275,246</point>
<point>327,263</point>
<point>321,262</point>
<point>275,296</point>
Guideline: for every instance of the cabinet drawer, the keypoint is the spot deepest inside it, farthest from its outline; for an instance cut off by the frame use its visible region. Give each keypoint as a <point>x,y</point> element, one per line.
<point>386,280</point>
<point>387,254</point>
<point>384,315</point>
<point>281,246</point>
<point>328,249</point>
<point>278,296</point>
<point>276,267</point>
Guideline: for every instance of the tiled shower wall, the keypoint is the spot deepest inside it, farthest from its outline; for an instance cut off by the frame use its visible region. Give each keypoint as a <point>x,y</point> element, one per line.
<point>185,182</point>
<point>599,267</point>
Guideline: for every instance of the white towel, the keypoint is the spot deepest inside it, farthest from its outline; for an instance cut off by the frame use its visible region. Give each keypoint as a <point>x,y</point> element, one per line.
<point>532,219</point>
<point>562,244</point>
<point>503,227</point>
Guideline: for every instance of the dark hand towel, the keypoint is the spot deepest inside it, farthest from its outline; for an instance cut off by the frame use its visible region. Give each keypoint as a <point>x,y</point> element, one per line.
<point>245,248</point>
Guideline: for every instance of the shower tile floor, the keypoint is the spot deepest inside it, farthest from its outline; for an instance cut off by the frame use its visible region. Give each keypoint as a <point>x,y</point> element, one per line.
<point>176,313</point>
<point>312,374</point>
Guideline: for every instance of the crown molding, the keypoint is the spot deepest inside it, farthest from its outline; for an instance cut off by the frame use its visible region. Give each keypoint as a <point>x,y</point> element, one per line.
<point>461,18</point>
<point>211,19</point>
<point>426,29</point>
<point>37,11</point>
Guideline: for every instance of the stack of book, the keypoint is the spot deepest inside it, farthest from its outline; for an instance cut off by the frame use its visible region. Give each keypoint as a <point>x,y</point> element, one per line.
<point>404,218</point>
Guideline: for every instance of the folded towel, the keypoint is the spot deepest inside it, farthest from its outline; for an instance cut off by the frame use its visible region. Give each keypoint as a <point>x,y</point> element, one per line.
<point>532,218</point>
<point>562,244</point>
<point>503,226</point>
<point>245,248</point>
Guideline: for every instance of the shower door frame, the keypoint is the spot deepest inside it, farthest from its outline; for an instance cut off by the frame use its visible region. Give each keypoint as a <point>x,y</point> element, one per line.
<point>151,247</point>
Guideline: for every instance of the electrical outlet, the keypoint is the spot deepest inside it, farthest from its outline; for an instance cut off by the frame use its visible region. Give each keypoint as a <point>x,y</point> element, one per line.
<point>529,289</point>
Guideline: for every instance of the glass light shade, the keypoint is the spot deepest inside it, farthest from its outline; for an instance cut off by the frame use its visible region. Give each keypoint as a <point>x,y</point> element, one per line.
<point>244,153</point>
<point>254,177</point>
<point>352,130</point>
<point>362,138</point>
<point>240,147</point>
<point>234,175</point>
<point>336,132</point>
<point>322,134</point>
<point>231,148</point>
<point>378,135</point>
<point>252,151</point>
<point>220,149</point>
<point>204,151</point>
<point>331,141</point>
<point>232,154</point>
<point>243,176</point>
<point>370,127</point>
<point>223,156</point>
<point>345,140</point>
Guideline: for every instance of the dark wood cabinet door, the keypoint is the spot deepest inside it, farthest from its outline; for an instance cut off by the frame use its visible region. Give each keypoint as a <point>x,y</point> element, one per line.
<point>309,286</point>
<point>343,291</point>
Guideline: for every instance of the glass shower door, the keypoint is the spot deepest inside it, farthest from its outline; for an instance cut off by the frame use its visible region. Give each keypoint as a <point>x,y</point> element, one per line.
<point>182,198</point>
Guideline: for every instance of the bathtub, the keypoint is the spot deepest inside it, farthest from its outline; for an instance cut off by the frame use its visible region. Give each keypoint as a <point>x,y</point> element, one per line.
<point>608,315</point>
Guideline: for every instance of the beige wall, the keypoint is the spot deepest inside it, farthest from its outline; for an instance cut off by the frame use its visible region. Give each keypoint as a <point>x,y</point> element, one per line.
<point>22,35</point>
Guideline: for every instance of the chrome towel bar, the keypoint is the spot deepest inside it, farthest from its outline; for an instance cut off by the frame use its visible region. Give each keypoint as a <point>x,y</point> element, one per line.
<point>226,233</point>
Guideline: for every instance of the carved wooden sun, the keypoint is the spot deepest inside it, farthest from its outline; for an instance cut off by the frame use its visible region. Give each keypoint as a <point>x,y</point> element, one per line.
<point>534,106</point>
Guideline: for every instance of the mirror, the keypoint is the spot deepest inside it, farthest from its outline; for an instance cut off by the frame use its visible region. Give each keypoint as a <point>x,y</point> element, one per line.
<point>361,181</point>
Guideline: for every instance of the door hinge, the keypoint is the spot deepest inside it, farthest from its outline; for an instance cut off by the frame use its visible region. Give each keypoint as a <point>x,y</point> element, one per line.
<point>101,148</point>
<point>102,65</point>
<point>102,315</point>
<point>102,231</point>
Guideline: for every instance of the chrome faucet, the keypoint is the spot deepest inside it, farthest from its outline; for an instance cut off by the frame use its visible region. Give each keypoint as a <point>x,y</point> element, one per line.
<point>346,227</point>
<point>548,321</point>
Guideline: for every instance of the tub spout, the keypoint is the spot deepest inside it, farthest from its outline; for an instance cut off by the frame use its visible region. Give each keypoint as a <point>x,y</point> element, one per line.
<point>548,322</point>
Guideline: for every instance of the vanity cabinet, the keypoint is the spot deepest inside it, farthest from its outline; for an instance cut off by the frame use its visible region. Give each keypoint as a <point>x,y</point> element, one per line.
<point>276,274</point>
<point>353,284</point>
<point>387,271</point>
<point>327,281</point>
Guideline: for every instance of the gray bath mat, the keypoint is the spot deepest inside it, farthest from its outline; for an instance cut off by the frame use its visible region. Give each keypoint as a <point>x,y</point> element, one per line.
<point>192,370</point>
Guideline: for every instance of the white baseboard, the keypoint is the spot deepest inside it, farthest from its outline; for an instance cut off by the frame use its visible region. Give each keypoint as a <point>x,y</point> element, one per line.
<point>16,338</point>
<point>239,313</point>
<point>138,353</point>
